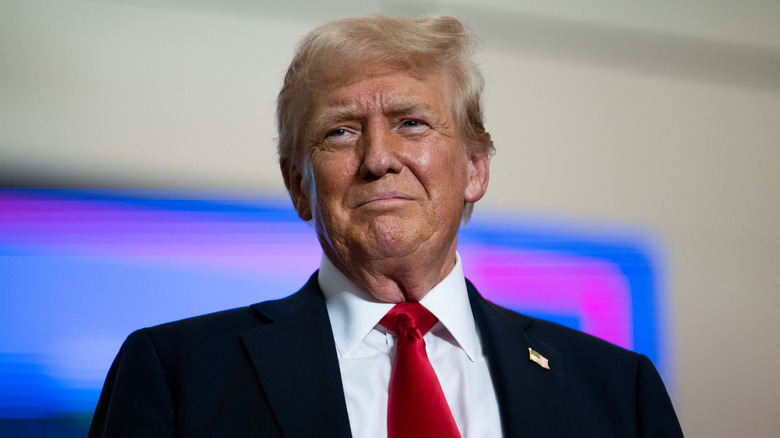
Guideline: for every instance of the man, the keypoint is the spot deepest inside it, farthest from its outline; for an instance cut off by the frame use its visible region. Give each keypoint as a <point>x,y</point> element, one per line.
<point>383,149</point>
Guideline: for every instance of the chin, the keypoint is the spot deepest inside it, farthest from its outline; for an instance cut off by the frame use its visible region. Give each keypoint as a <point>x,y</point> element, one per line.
<point>396,244</point>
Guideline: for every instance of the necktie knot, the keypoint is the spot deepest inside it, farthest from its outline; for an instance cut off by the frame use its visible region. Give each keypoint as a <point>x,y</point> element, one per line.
<point>409,315</point>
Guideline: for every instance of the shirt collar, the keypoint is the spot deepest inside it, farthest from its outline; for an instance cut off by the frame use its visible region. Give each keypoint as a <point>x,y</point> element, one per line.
<point>354,312</point>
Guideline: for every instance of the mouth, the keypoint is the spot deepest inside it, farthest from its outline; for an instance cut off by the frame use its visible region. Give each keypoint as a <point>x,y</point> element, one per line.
<point>384,199</point>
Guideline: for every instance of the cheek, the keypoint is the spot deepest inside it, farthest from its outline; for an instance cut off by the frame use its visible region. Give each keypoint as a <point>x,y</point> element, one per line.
<point>444,170</point>
<point>424,159</point>
<point>332,173</point>
<point>433,168</point>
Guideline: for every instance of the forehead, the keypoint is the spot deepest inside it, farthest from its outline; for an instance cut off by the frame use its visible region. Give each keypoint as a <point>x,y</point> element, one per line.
<point>386,88</point>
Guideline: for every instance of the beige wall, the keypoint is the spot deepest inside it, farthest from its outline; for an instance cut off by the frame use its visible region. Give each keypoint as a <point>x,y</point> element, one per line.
<point>664,115</point>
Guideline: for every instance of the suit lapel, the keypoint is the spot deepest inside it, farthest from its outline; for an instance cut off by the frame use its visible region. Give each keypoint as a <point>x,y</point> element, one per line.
<point>530,398</point>
<point>294,356</point>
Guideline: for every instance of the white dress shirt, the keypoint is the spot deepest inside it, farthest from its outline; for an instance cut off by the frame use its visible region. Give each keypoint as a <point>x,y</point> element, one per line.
<point>366,350</point>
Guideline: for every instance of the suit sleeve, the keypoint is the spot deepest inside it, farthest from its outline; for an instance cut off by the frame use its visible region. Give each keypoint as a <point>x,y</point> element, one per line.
<point>655,412</point>
<point>136,400</point>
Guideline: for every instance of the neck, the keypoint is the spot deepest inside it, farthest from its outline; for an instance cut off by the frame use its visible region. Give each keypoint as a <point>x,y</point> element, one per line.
<point>396,280</point>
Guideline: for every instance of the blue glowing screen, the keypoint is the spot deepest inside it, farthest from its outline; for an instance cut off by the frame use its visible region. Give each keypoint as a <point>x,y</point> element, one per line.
<point>81,269</point>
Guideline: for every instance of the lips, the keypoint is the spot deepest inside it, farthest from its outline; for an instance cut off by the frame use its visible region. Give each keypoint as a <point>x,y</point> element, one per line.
<point>384,198</point>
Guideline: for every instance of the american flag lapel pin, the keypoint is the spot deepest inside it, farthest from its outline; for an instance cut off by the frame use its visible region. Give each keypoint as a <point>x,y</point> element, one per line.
<point>538,358</point>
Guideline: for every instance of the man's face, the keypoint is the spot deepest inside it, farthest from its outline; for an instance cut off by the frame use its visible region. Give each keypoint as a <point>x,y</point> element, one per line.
<point>388,173</point>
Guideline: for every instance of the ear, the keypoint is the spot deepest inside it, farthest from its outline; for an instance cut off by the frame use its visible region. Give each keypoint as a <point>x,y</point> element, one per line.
<point>294,181</point>
<point>479,168</point>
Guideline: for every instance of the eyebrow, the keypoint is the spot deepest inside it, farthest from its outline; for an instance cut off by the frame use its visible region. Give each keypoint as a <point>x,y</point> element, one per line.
<point>338,113</point>
<point>332,116</point>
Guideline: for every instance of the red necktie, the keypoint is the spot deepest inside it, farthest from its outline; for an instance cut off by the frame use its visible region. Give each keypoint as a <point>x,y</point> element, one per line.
<point>416,406</point>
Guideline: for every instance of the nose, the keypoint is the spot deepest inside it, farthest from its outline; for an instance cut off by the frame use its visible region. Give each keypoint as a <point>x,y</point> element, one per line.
<point>381,150</point>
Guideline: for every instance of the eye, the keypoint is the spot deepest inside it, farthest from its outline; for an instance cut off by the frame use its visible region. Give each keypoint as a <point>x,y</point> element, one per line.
<point>411,123</point>
<point>339,138</point>
<point>336,133</point>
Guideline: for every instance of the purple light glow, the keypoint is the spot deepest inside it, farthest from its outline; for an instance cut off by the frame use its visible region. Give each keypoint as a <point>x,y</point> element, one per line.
<point>592,291</point>
<point>80,270</point>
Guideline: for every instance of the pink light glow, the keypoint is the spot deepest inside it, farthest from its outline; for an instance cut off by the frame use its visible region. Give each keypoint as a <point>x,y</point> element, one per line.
<point>593,291</point>
<point>137,234</point>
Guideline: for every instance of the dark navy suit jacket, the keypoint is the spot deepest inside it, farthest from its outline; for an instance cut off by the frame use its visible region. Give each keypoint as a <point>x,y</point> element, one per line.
<point>271,370</point>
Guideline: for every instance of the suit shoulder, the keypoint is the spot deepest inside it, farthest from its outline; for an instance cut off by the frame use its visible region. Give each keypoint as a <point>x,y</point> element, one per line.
<point>230,320</point>
<point>180,344</point>
<point>210,332</point>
